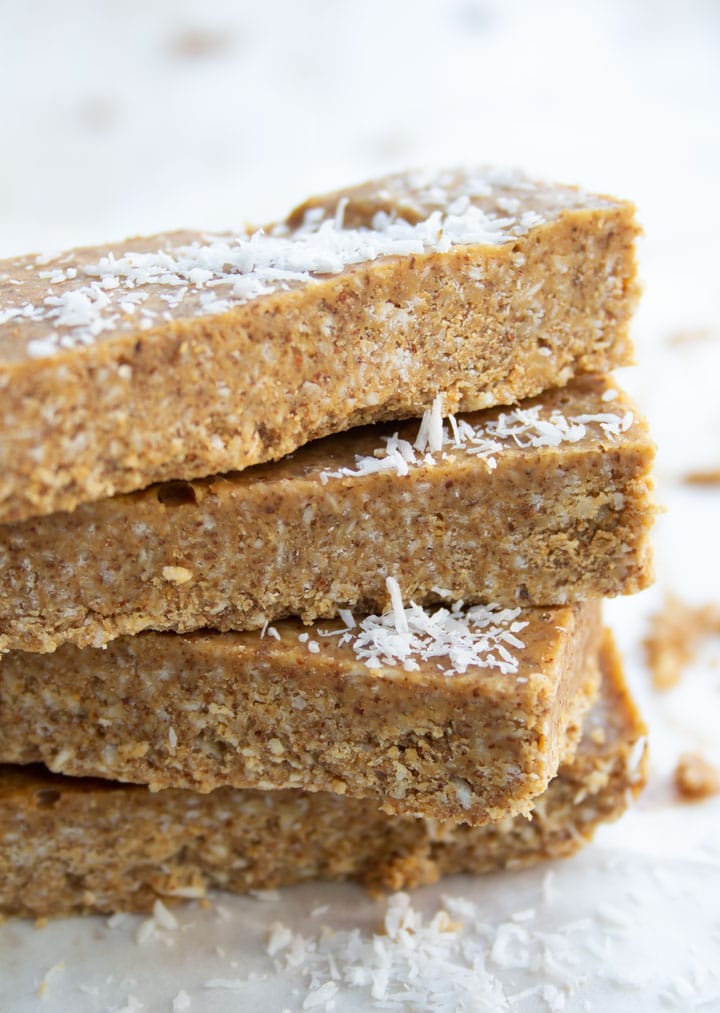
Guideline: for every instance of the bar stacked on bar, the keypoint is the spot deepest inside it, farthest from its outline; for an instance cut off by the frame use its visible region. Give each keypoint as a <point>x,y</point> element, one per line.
<point>303,537</point>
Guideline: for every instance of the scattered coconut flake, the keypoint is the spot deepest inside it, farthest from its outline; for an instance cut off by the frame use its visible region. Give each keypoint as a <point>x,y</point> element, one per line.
<point>187,892</point>
<point>526,915</point>
<point>181,1002</point>
<point>279,939</point>
<point>320,996</point>
<point>163,917</point>
<point>408,964</point>
<point>555,999</point>
<point>347,617</point>
<point>430,434</point>
<point>510,947</point>
<point>340,212</point>
<point>230,984</point>
<point>267,896</point>
<point>399,617</point>
<point>159,927</point>
<point>50,975</point>
<point>132,1005</point>
<point>549,891</point>
<point>463,793</point>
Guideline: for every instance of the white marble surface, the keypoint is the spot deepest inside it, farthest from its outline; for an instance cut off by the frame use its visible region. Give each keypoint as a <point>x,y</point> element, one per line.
<point>129,117</point>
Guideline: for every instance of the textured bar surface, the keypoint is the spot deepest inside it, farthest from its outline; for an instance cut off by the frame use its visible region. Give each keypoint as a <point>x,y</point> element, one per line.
<point>70,845</point>
<point>183,355</point>
<point>211,709</point>
<point>533,512</point>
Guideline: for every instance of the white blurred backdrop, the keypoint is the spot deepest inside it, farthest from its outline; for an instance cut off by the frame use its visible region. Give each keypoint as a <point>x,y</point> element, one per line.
<point>131,116</point>
<point>124,116</point>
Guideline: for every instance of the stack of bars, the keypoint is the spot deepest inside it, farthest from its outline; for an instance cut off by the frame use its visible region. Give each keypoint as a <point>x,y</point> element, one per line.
<point>379,657</point>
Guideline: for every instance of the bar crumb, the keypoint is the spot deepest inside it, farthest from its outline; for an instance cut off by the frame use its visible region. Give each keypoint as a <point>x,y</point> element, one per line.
<point>705,477</point>
<point>675,634</point>
<point>696,778</point>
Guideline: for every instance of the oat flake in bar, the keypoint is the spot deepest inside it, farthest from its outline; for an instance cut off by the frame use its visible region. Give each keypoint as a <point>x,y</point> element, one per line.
<point>183,355</point>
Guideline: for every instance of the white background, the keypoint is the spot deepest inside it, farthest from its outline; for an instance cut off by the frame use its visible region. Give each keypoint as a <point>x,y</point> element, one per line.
<point>127,117</point>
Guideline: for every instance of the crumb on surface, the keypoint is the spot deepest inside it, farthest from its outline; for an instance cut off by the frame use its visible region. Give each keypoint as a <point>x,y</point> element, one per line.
<point>675,634</point>
<point>692,335</point>
<point>709,476</point>
<point>696,778</point>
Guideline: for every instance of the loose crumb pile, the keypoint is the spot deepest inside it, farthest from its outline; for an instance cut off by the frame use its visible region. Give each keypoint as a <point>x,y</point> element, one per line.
<point>675,634</point>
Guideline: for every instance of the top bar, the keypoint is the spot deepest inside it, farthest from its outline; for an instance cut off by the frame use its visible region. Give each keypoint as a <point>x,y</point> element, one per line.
<point>182,355</point>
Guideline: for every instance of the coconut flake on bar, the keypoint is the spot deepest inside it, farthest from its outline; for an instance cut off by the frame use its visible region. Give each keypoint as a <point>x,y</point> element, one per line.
<point>522,427</point>
<point>458,638</point>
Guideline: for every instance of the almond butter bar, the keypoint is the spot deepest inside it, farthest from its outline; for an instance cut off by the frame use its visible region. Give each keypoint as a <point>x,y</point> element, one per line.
<point>539,505</point>
<point>182,355</point>
<point>76,846</point>
<point>459,714</point>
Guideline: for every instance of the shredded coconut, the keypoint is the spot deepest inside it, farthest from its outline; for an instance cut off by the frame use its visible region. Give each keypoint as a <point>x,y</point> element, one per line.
<point>478,636</point>
<point>141,288</point>
<point>230,984</point>
<point>412,963</point>
<point>133,1005</point>
<point>181,1002</point>
<point>522,427</point>
<point>50,975</point>
<point>160,927</point>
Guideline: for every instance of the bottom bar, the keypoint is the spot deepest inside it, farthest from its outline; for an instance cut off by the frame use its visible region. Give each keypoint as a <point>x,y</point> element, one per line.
<point>78,845</point>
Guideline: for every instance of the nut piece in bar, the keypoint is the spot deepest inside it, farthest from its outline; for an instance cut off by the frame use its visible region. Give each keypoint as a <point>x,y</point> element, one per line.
<point>77,846</point>
<point>178,356</point>
<point>455,713</point>
<point>542,504</point>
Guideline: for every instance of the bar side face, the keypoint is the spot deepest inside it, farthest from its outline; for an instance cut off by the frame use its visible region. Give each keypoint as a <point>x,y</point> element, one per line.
<point>207,710</point>
<point>75,846</point>
<point>609,769</point>
<point>532,526</point>
<point>484,325</point>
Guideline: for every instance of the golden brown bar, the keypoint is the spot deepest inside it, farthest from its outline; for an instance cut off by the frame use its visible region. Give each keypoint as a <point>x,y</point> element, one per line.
<point>182,355</point>
<point>454,714</point>
<point>540,505</point>
<point>77,846</point>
